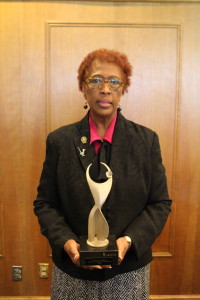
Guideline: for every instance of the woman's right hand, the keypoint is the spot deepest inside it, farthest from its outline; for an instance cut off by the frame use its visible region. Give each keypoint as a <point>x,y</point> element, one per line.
<point>71,247</point>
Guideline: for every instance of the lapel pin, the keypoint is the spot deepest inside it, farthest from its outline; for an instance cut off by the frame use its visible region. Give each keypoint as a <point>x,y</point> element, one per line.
<point>84,139</point>
<point>82,152</point>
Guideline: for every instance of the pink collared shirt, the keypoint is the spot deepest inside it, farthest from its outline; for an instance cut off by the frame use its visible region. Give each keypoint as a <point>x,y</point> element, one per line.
<point>94,136</point>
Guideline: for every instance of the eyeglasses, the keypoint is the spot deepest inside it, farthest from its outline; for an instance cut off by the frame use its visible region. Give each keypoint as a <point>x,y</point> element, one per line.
<point>97,82</point>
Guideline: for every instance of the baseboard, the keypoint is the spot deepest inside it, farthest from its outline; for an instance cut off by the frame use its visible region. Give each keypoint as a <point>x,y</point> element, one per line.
<point>174,297</point>
<point>152,297</point>
<point>25,298</point>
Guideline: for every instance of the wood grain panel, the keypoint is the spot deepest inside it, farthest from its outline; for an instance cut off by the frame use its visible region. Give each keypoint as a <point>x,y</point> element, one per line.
<point>147,1</point>
<point>22,146</point>
<point>1,217</point>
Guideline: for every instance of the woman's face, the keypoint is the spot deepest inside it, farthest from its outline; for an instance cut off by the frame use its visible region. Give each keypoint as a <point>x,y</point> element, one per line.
<point>104,100</point>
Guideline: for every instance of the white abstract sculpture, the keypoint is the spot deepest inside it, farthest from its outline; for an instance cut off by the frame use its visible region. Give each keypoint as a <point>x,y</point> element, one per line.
<point>98,229</point>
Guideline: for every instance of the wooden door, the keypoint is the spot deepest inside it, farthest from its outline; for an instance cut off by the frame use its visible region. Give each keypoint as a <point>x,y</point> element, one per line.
<point>42,44</point>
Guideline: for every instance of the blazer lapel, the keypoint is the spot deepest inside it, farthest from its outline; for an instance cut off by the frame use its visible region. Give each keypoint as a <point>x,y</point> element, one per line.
<point>85,151</point>
<point>122,144</point>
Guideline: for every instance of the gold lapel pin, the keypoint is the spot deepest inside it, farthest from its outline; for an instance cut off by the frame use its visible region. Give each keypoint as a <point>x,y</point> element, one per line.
<point>84,139</point>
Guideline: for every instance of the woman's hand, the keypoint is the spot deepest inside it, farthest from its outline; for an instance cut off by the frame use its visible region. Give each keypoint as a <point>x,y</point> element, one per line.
<point>123,246</point>
<point>71,247</point>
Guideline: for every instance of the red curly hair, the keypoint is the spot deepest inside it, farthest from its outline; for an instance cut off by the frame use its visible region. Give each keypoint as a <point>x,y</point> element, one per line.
<point>109,56</point>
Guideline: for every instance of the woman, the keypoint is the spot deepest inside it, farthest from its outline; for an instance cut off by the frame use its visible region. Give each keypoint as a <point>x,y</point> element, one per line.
<point>137,206</point>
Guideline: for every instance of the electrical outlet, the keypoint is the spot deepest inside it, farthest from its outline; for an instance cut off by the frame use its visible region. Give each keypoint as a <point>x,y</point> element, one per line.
<point>43,270</point>
<point>16,273</point>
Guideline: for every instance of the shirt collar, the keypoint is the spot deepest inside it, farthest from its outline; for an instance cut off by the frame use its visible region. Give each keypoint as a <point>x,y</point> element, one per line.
<point>94,136</point>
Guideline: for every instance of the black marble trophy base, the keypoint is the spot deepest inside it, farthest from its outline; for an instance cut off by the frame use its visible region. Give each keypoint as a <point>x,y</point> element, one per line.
<point>98,256</point>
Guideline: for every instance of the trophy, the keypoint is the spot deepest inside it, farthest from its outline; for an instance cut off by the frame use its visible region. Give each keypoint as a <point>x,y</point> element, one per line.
<point>98,248</point>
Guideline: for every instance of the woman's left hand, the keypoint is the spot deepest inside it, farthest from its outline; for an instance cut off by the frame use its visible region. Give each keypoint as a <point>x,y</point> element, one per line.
<point>123,246</point>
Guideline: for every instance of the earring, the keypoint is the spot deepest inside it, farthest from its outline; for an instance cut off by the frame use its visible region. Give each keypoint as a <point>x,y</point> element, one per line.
<point>119,108</point>
<point>85,106</point>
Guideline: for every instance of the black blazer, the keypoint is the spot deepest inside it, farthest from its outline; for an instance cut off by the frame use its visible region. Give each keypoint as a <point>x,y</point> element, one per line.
<point>137,206</point>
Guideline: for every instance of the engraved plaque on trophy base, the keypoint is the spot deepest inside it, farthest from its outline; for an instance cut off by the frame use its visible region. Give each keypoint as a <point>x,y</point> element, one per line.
<point>107,255</point>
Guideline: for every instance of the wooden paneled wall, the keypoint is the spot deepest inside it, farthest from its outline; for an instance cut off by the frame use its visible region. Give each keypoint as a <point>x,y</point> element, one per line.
<point>42,44</point>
